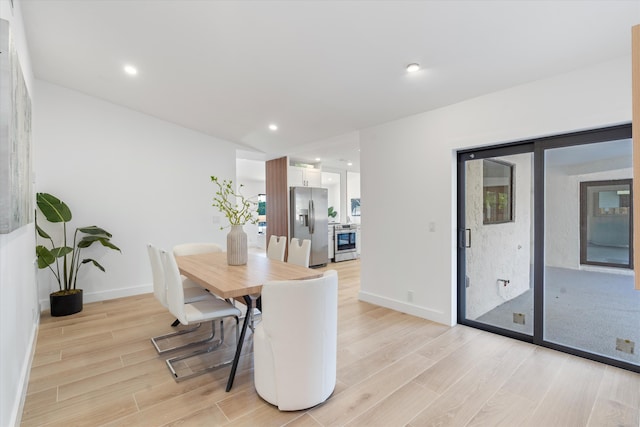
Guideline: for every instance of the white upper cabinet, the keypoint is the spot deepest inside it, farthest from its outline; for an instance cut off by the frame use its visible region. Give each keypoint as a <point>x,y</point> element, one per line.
<point>304,177</point>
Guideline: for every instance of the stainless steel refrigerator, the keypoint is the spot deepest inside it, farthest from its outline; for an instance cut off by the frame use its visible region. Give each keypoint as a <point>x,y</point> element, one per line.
<point>310,220</point>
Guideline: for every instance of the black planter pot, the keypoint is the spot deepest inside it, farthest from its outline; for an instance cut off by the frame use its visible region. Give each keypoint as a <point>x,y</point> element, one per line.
<point>66,304</point>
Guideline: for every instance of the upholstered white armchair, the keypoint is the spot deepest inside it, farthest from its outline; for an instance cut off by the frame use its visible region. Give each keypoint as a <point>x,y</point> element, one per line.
<point>295,345</point>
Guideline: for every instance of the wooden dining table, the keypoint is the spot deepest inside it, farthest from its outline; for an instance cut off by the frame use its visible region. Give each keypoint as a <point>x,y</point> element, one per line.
<point>242,282</point>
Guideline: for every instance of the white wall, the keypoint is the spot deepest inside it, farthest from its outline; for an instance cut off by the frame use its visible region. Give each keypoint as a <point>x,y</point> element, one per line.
<point>142,179</point>
<point>418,155</point>
<point>19,312</point>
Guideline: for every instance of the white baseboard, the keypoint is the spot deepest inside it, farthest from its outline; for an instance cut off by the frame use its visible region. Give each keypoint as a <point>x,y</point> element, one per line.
<point>106,295</point>
<point>16,413</point>
<point>404,307</point>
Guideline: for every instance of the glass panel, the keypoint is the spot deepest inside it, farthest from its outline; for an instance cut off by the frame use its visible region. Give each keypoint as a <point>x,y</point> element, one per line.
<point>499,257</point>
<point>593,308</point>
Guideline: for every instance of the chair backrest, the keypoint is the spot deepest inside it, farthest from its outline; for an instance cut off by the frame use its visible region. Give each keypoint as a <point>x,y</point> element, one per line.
<point>157,274</point>
<point>277,246</point>
<point>299,252</point>
<point>175,292</point>
<point>195,249</point>
<point>300,319</point>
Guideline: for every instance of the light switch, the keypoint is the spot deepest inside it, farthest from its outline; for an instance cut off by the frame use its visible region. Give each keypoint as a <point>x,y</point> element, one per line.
<point>432,226</point>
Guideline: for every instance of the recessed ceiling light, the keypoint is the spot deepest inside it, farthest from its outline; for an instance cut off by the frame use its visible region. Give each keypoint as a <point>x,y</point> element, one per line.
<point>412,68</point>
<point>318,159</point>
<point>350,164</point>
<point>273,126</point>
<point>131,70</point>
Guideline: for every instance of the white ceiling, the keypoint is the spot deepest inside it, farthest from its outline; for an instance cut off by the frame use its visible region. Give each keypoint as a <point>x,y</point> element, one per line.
<point>321,70</point>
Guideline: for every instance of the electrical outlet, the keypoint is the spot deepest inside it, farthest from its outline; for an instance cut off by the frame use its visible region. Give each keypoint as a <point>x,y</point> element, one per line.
<point>410,296</point>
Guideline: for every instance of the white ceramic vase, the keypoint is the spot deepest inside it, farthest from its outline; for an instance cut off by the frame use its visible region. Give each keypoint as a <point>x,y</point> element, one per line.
<point>237,253</point>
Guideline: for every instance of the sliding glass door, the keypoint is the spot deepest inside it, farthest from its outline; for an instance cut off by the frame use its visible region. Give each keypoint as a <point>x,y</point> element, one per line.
<point>496,236</point>
<point>590,303</point>
<point>545,244</point>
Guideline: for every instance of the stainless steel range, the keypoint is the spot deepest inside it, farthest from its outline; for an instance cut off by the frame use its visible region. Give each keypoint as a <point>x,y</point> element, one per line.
<point>345,242</point>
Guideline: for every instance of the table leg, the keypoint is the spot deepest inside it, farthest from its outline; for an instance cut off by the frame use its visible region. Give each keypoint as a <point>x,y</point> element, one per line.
<point>236,358</point>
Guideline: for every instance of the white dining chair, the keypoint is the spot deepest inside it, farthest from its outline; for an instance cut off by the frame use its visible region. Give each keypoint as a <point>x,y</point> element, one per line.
<point>212,310</point>
<point>295,345</point>
<point>299,252</point>
<point>275,250</point>
<point>191,294</point>
<point>277,247</point>
<point>185,249</point>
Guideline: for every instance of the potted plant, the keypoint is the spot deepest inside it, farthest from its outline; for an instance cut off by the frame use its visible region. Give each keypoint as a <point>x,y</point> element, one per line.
<point>331,213</point>
<point>239,211</point>
<point>63,260</point>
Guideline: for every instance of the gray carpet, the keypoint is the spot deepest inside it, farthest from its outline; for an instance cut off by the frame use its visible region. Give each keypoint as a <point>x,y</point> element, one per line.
<point>583,310</point>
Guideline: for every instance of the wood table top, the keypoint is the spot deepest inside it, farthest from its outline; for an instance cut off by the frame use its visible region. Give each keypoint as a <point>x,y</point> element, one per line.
<point>211,271</point>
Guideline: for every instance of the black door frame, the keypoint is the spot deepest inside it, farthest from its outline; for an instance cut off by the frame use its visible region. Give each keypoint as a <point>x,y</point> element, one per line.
<point>537,147</point>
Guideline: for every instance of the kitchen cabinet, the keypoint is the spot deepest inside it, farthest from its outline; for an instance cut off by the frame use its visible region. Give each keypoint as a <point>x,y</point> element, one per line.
<point>304,177</point>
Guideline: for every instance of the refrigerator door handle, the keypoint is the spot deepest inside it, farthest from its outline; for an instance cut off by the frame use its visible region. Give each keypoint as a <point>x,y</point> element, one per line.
<point>312,217</point>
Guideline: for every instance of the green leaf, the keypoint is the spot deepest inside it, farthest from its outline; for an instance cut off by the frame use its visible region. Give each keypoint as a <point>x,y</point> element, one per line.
<point>42,233</point>
<point>96,263</point>
<point>90,240</point>
<point>108,244</point>
<point>54,209</point>
<point>61,251</point>
<point>95,230</point>
<point>44,256</point>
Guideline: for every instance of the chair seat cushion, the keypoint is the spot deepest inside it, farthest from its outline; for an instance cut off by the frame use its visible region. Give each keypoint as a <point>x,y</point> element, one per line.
<point>188,283</point>
<point>196,294</point>
<point>201,311</point>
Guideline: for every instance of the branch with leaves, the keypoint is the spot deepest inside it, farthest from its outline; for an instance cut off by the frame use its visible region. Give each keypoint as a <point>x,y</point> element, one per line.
<point>238,209</point>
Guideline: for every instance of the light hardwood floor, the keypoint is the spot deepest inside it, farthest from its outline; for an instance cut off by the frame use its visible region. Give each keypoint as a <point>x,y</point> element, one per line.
<point>99,368</point>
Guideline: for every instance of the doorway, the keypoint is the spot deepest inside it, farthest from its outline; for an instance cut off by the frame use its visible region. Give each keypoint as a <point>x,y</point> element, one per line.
<point>606,224</point>
<point>544,246</point>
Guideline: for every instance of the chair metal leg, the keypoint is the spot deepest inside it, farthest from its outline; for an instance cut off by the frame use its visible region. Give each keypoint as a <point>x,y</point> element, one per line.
<point>175,323</point>
<point>209,349</point>
<point>155,340</point>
